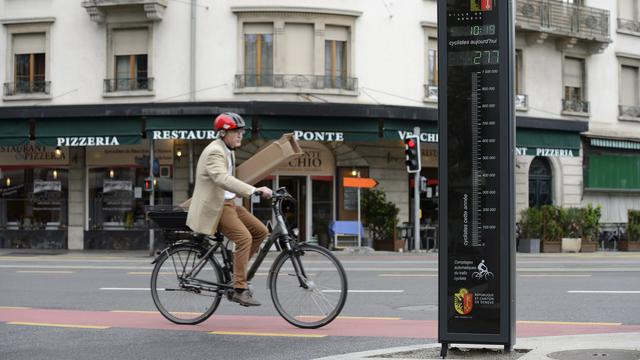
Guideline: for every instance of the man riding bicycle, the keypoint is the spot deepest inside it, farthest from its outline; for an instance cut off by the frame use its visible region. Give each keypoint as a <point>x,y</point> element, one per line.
<point>213,206</point>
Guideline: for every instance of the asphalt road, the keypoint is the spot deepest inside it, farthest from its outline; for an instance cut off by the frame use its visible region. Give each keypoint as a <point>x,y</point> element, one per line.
<point>393,303</point>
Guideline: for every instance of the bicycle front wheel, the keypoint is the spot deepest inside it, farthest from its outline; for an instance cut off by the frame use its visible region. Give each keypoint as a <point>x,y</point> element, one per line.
<point>315,297</point>
<point>181,285</point>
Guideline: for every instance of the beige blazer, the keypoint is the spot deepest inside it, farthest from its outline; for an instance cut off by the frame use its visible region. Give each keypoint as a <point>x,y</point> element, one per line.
<point>212,179</point>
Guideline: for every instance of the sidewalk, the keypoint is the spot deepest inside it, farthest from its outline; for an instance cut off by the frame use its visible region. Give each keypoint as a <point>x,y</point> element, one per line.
<point>618,346</point>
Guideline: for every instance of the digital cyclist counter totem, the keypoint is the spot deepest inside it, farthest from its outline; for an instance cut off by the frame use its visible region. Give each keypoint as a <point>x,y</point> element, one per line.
<point>477,130</point>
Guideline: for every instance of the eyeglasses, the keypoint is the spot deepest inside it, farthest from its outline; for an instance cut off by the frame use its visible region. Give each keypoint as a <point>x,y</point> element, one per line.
<point>237,131</point>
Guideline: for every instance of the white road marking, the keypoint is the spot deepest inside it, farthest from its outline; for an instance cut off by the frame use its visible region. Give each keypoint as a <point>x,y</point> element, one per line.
<point>127,289</point>
<point>603,292</point>
<point>366,291</point>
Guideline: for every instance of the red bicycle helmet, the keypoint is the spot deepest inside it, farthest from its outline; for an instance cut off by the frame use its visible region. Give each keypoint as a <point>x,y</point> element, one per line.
<point>228,121</point>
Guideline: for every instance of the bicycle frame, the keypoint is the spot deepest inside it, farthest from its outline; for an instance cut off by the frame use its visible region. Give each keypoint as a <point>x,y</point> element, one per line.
<point>280,232</point>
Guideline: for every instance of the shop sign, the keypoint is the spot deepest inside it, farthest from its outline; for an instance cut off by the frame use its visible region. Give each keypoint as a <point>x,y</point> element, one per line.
<point>130,155</point>
<point>424,137</point>
<point>318,135</point>
<point>316,160</point>
<point>521,151</point>
<point>32,155</point>
<point>88,141</point>
<point>116,185</point>
<point>184,134</point>
<point>42,186</point>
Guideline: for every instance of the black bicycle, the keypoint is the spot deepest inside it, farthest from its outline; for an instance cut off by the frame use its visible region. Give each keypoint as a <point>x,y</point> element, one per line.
<point>308,284</point>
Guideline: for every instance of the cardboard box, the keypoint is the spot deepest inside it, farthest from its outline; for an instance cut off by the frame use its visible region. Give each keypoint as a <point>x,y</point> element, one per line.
<point>267,160</point>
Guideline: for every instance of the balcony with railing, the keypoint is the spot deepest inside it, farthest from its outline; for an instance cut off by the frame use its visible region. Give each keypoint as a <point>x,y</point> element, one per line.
<point>430,93</point>
<point>522,102</point>
<point>120,85</point>
<point>629,26</point>
<point>27,88</point>
<point>297,83</point>
<point>545,18</point>
<point>629,112</point>
<point>575,107</point>
<point>98,9</point>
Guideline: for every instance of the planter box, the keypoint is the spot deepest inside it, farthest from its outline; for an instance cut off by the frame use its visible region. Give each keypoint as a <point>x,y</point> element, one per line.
<point>551,246</point>
<point>571,244</point>
<point>589,246</point>
<point>529,245</point>
<point>626,245</point>
<point>389,245</point>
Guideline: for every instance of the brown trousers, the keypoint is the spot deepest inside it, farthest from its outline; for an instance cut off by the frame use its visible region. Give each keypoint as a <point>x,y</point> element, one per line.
<point>247,232</point>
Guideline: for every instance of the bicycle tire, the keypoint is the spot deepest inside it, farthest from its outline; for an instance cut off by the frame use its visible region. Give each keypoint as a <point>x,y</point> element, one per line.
<point>175,302</point>
<point>322,301</point>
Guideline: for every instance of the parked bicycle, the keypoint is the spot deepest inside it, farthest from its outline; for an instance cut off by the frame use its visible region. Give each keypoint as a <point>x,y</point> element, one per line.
<point>610,235</point>
<point>308,284</point>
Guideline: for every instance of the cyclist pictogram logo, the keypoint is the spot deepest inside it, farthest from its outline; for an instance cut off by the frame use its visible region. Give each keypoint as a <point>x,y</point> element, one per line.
<point>483,272</point>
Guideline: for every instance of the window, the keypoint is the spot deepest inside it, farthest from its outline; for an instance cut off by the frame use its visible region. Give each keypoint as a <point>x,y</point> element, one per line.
<point>335,57</point>
<point>295,51</point>
<point>629,78</point>
<point>539,182</point>
<point>258,54</point>
<point>130,66</point>
<point>131,72</point>
<point>574,92</point>
<point>522,101</point>
<point>629,91</point>
<point>29,64</point>
<point>433,62</point>
<point>628,10</point>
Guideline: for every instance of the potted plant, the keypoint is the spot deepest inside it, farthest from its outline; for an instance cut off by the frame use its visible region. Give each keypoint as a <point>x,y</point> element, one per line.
<point>632,242</point>
<point>551,229</point>
<point>590,227</point>
<point>530,225</point>
<point>572,224</point>
<point>381,217</point>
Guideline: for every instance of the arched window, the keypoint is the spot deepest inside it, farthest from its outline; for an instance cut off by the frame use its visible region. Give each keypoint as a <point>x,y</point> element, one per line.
<point>540,182</point>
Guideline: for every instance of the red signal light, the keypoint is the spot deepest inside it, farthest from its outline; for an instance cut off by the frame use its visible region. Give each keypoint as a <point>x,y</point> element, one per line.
<point>411,143</point>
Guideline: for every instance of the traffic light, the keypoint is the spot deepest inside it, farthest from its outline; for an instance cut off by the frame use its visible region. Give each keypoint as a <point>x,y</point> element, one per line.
<point>150,183</point>
<point>412,153</point>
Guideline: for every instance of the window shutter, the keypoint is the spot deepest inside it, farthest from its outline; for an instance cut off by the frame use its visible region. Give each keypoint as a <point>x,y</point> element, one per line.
<point>573,72</point>
<point>629,85</point>
<point>130,42</point>
<point>340,33</point>
<point>29,43</point>
<point>627,9</point>
<point>258,28</point>
<point>299,49</point>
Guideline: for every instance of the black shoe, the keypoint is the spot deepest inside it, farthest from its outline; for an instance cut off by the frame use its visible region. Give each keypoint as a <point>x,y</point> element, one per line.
<point>244,298</point>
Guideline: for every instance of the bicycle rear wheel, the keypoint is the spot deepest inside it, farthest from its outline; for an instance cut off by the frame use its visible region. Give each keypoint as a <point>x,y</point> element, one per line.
<point>182,299</point>
<point>319,296</point>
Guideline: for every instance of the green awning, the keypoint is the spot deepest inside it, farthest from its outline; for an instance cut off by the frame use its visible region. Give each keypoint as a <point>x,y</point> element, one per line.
<point>88,131</point>
<point>183,127</point>
<point>547,143</point>
<point>14,132</point>
<point>615,144</point>
<point>397,130</point>
<point>319,129</point>
<point>612,172</point>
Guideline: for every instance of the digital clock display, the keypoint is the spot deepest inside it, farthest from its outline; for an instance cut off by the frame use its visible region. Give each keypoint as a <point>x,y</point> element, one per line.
<point>472,30</point>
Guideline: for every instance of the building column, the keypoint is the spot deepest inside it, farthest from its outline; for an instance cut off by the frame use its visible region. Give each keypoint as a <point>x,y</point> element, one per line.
<point>77,206</point>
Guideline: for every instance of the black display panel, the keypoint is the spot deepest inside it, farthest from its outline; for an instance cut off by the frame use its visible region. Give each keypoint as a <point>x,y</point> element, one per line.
<point>476,156</point>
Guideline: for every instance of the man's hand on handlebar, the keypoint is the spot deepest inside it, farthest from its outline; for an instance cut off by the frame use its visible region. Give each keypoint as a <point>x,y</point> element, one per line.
<point>264,192</point>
